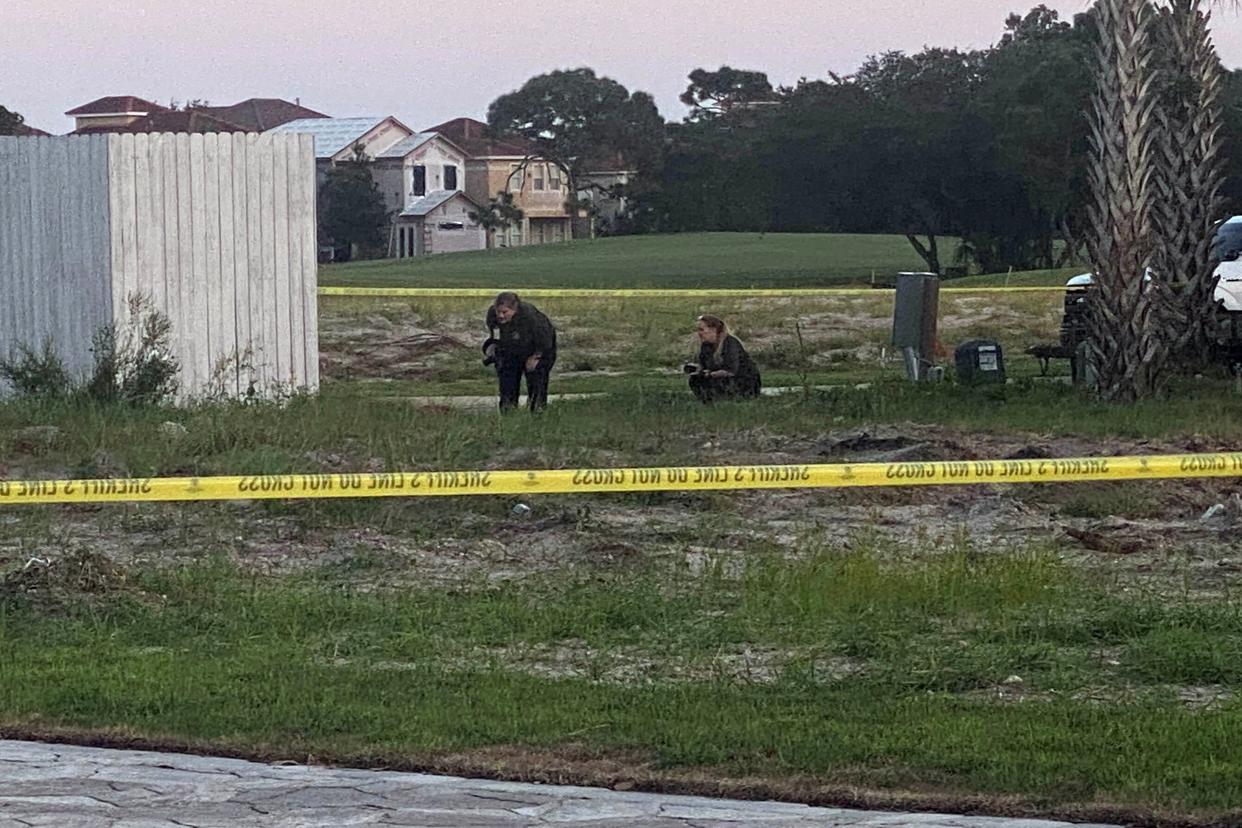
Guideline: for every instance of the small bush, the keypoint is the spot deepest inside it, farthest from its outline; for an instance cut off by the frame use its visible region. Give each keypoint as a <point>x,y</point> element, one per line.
<point>134,365</point>
<point>36,373</point>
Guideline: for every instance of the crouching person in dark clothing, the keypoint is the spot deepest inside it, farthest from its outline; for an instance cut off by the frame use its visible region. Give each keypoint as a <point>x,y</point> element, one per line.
<point>522,341</point>
<point>724,370</point>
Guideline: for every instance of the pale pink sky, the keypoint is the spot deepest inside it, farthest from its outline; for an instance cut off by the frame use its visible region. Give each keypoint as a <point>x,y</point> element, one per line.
<point>426,62</point>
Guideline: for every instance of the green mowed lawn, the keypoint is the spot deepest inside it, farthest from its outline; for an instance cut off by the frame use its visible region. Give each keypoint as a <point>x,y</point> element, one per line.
<point>1028,278</point>
<point>691,260</point>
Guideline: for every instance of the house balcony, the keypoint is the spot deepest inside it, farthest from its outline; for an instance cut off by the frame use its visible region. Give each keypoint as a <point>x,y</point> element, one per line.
<point>543,204</point>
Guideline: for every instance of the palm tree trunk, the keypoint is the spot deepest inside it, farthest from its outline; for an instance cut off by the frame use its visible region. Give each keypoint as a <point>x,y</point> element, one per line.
<point>1190,181</point>
<point>1127,350</point>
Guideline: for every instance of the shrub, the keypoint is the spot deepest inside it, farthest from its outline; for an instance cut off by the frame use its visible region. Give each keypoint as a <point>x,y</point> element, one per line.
<point>36,373</point>
<point>134,365</point>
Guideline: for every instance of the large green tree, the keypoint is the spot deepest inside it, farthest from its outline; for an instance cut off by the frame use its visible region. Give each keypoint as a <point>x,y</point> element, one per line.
<point>351,206</point>
<point>711,94</point>
<point>575,119</point>
<point>931,144</point>
<point>1037,83</point>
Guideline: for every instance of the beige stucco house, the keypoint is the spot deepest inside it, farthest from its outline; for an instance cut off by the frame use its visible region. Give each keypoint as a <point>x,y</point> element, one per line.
<point>495,166</point>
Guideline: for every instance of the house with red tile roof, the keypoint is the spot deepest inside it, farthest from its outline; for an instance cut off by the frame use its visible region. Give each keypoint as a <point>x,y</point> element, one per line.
<point>111,113</point>
<point>127,113</point>
<point>261,114</point>
<point>190,120</point>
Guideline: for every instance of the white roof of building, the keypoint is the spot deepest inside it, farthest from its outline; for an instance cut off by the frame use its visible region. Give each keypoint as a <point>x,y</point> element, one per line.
<point>429,202</point>
<point>407,145</point>
<point>331,134</point>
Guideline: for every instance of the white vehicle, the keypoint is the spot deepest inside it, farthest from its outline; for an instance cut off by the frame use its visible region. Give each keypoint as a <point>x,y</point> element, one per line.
<point>1226,249</point>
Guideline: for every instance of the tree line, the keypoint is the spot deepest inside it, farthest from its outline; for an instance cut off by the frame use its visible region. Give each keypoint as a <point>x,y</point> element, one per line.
<point>989,146</point>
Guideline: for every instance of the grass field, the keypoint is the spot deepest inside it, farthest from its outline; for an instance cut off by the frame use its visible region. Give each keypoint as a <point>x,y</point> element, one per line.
<point>1063,651</point>
<point>428,347</point>
<point>1029,278</point>
<point>691,260</point>
<point>895,644</point>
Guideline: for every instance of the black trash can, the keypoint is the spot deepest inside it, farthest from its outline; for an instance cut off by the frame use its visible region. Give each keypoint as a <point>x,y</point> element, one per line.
<point>979,362</point>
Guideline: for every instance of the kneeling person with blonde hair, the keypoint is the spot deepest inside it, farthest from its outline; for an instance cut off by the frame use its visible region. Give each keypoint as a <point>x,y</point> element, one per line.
<point>724,369</point>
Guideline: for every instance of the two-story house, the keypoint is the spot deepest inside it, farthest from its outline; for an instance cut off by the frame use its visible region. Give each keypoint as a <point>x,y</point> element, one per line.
<point>417,165</point>
<point>495,166</point>
<point>421,178</point>
<point>113,113</point>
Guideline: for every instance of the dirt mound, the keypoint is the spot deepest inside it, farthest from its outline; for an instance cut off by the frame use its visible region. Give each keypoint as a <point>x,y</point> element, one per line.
<point>386,356</point>
<point>403,358</point>
<point>890,446</point>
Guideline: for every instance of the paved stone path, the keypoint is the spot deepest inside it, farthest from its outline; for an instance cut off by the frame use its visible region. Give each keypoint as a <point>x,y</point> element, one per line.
<point>72,787</point>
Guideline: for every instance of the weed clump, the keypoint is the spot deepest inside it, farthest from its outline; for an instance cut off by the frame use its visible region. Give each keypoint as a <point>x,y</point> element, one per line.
<point>36,373</point>
<point>132,364</point>
<point>60,582</point>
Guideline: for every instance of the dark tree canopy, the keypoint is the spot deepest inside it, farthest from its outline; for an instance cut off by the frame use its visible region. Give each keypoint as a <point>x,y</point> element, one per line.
<point>987,146</point>
<point>352,208</point>
<point>934,80</point>
<point>574,118</point>
<point>1039,23</point>
<point>717,93</point>
<point>10,122</point>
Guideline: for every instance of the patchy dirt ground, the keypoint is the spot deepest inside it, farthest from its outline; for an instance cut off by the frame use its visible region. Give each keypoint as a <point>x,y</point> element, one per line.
<point>356,346</point>
<point>415,340</point>
<point>1152,534</point>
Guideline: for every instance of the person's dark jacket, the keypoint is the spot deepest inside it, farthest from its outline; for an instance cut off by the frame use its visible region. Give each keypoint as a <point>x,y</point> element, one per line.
<point>734,359</point>
<point>529,332</point>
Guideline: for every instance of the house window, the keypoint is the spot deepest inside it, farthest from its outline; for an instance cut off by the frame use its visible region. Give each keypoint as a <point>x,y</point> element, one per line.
<point>420,180</point>
<point>516,179</point>
<point>554,182</point>
<point>450,177</point>
<point>451,225</point>
<point>539,179</point>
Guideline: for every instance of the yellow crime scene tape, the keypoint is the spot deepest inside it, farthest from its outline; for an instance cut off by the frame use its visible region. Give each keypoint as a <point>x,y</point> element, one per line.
<point>587,481</point>
<point>651,293</point>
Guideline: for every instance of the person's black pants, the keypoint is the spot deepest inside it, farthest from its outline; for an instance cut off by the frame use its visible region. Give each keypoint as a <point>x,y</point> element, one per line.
<point>509,374</point>
<point>708,388</point>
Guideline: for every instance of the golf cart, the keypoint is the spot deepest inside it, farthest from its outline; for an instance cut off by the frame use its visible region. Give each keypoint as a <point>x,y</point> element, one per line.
<point>1226,249</point>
